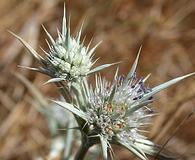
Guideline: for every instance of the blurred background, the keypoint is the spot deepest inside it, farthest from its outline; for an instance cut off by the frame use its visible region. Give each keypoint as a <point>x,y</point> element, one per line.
<point>165,29</point>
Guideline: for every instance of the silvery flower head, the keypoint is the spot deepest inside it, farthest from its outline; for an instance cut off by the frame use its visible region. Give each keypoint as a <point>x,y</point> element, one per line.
<point>118,112</point>
<point>67,59</point>
<point>119,115</point>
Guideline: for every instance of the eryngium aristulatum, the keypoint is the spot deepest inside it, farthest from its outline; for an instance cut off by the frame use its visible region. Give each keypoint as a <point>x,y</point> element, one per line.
<point>118,112</point>
<point>67,59</point>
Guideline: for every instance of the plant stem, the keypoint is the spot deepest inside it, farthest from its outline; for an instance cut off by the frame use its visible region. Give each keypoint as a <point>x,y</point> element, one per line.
<point>64,91</point>
<point>83,148</point>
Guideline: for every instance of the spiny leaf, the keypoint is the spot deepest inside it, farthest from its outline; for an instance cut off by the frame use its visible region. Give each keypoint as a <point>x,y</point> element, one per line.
<point>102,67</point>
<point>134,149</point>
<point>146,78</point>
<point>104,142</point>
<point>79,33</point>
<point>94,61</point>
<point>93,49</point>
<point>68,34</point>
<point>28,47</point>
<point>116,74</point>
<point>69,138</point>
<point>72,109</point>
<point>87,49</point>
<point>133,68</point>
<point>47,54</point>
<point>64,29</point>
<point>138,106</point>
<point>147,146</point>
<point>50,37</point>
<point>152,149</point>
<point>164,86</point>
<point>148,115</point>
<point>41,70</point>
<point>53,80</point>
<point>29,68</point>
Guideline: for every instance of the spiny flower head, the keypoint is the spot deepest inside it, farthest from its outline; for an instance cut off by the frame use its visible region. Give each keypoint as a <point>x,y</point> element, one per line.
<point>112,111</point>
<point>67,59</point>
<point>119,108</point>
<point>118,112</point>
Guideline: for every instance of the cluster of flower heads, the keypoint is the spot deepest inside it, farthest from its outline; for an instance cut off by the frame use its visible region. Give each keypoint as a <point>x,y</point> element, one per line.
<point>115,111</point>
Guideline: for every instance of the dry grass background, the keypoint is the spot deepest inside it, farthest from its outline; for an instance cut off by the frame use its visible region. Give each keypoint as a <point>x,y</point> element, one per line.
<point>165,28</point>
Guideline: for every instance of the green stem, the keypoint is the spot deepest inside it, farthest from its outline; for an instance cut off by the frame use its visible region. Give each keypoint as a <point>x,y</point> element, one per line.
<point>83,148</point>
<point>64,91</point>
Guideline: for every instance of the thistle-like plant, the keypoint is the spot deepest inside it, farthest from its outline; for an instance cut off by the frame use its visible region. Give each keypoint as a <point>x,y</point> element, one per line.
<point>117,112</point>
<point>67,59</point>
<point>114,112</point>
